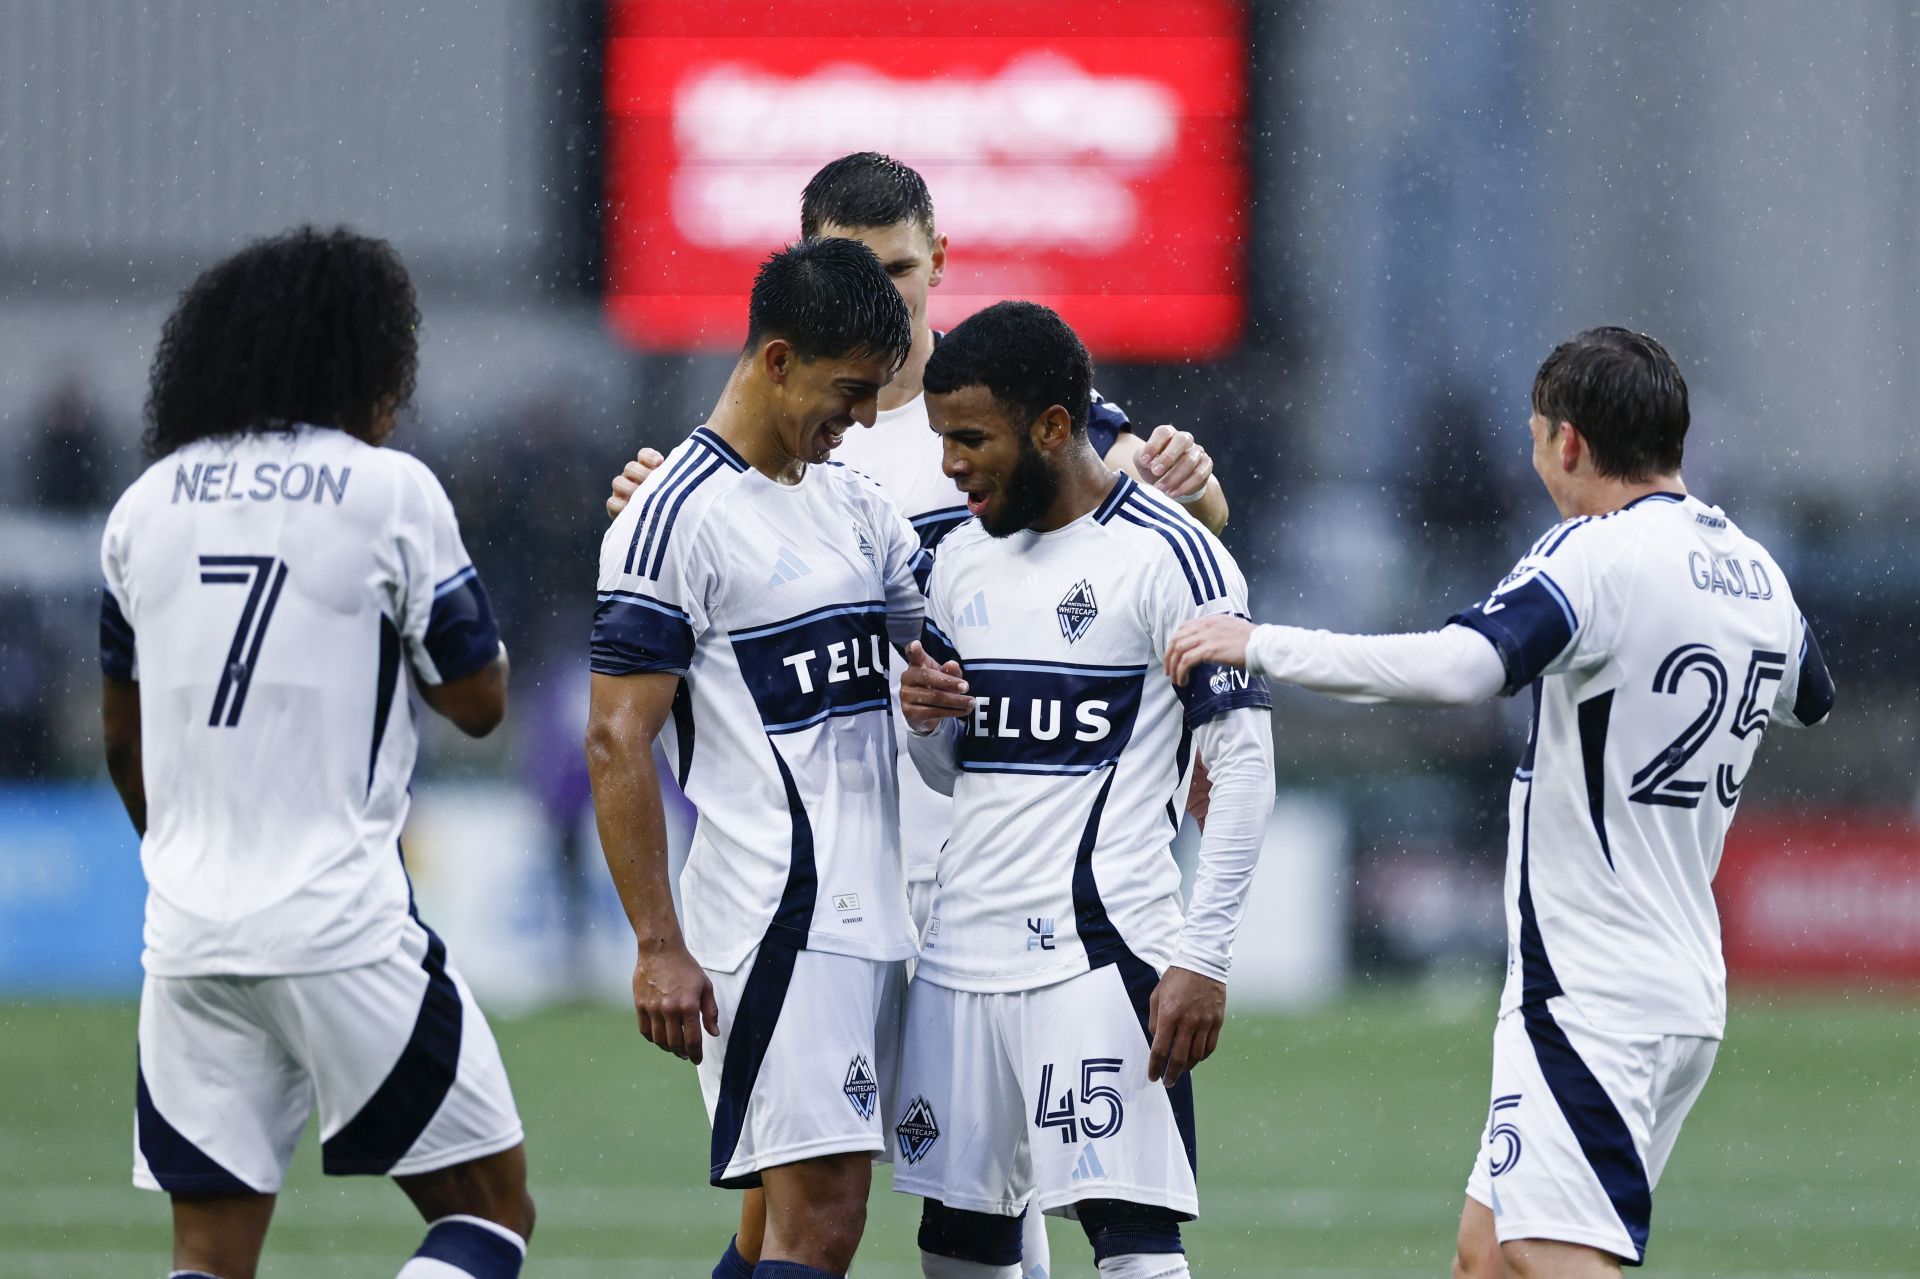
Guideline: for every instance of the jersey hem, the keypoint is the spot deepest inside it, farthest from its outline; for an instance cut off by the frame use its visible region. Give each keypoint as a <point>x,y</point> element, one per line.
<point>1688,1027</point>
<point>157,965</point>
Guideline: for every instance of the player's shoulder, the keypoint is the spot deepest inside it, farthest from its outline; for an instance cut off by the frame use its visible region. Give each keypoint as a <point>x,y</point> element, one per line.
<point>1159,535</point>
<point>674,501</point>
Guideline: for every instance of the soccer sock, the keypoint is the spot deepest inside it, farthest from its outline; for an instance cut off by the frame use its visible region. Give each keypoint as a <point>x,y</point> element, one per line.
<point>463,1247</point>
<point>192,1274</point>
<point>935,1266</point>
<point>790,1270</point>
<point>1036,1259</point>
<point>732,1264</point>
<point>1145,1265</point>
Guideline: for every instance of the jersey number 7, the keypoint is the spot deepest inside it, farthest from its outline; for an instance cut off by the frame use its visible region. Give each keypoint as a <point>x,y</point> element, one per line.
<point>263,576</point>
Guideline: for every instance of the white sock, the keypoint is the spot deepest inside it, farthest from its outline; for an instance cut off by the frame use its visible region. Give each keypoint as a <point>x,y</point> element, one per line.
<point>1036,1259</point>
<point>1145,1265</point>
<point>935,1266</point>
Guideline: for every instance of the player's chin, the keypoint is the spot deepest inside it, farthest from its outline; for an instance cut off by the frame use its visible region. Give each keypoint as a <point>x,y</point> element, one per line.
<point>827,439</point>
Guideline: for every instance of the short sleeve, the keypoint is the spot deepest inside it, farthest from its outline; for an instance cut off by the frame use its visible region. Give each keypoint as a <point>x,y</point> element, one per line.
<point>1106,422</point>
<point>654,591</point>
<point>1536,617</point>
<point>1806,694</point>
<point>446,618</point>
<point>118,660</point>
<point>1211,689</point>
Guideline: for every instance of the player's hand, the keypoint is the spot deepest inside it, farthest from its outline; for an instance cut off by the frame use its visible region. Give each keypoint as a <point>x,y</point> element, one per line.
<point>674,999</point>
<point>930,692</point>
<point>1184,1019</point>
<point>644,463</point>
<point>1219,639</point>
<point>1176,463</point>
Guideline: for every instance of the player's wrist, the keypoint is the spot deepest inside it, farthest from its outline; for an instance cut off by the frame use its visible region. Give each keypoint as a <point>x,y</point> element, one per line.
<point>1191,499</point>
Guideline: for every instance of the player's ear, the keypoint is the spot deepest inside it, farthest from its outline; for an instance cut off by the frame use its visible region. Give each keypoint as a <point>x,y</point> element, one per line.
<point>776,360</point>
<point>938,256</point>
<point>1052,429</point>
<point>1572,446</point>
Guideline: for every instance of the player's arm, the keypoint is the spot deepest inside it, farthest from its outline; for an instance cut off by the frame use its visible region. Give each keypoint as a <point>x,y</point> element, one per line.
<point>1174,462</point>
<point>120,730</point>
<point>1453,666</point>
<point>631,477</point>
<point>671,994</point>
<point>476,703</point>
<point>1806,695</point>
<point>934,698</point>
<point>1189,1005</point>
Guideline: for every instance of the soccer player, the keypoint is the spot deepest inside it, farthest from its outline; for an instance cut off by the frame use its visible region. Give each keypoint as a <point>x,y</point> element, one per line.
<point>267,580</point>
<point>1062,995</point>
<point>1658,642</point>
<point>748,596</point>
<point>886,206</point>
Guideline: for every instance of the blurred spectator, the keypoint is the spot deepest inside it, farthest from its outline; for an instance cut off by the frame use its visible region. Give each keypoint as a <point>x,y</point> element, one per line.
<point>30,664</point>
<point>69,459</point>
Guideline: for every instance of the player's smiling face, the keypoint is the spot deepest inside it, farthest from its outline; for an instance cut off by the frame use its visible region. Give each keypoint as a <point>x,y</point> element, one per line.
<point>823,399</point>
<point>990,457</point>
<point>914,263</point>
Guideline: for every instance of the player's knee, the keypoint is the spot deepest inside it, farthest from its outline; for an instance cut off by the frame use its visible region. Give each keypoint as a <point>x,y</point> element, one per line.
<point>1117,1228</point>
<point>979,1237</point>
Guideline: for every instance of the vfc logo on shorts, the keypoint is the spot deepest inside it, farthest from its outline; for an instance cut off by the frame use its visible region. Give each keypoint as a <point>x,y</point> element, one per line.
<point>860,1088</point>
<point>917,1131</point>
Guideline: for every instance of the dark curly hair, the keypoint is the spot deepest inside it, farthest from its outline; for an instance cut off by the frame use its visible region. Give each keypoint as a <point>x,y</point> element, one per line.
<point>314,327</point>
<point>1022,352</point>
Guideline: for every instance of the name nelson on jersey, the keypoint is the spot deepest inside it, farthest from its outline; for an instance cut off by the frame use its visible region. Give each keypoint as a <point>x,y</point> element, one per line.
<point>292,482</point>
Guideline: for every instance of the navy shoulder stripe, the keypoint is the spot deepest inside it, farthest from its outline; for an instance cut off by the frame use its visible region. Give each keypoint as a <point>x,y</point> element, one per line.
<point>1128,514</point>
<point>705,435</point>
<point>1212,581</point>
<point>933,526</point>
<point>1567,530</point>
<point>1108,508</point>
<point>648,553</point>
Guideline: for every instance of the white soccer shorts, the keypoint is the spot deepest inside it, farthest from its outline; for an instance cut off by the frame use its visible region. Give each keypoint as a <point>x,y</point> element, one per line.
<point>1581,1125</point>
<point>396,1054</point>
<point>805,1061</point>
<point>1040,1096</point>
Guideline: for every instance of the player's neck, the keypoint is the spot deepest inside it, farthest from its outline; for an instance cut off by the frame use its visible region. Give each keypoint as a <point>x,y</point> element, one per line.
<point>909,381</point>
<point>745,421</point>
<point>1085,482</point>
<point>1604,497</point>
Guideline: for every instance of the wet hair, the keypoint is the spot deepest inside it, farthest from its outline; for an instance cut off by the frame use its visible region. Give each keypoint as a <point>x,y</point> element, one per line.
<point>309,327</point>
<point>1024,354</point>
<point>1624,394</point>
<point>829,299</point>
<point>865,189</point>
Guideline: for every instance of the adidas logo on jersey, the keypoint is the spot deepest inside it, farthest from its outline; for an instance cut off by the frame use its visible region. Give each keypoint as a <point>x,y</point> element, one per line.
<point>975,613</point>
<point>1088,1169</point>
<point>787,567</point>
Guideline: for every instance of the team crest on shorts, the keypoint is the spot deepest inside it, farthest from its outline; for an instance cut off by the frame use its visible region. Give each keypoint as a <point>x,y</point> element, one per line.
<point>1077,610</point>
<point>917,1131</point>
<point>860,1088</point>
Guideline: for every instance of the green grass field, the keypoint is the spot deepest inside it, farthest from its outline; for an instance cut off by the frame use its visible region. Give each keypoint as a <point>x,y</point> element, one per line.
<point>1333,1144</point>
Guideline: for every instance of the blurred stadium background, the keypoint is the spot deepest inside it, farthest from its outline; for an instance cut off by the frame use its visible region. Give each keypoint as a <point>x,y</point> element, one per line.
<point>1333,239</point>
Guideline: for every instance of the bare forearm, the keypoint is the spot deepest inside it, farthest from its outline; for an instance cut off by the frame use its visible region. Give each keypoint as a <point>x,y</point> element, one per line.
<point>123,766</point>
<point>1211,507</point>
<point>633,833</point>
<point>120,730</point>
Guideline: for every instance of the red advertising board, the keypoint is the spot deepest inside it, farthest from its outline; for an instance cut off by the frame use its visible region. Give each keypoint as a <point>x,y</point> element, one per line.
<point>1082,153</point>
<point>1832,899</point>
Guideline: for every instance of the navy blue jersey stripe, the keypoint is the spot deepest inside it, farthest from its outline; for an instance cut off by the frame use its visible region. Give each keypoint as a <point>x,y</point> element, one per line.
<point>1594,714</point>
<point>1005,664</point>
<point>406,1101</point>
<point>1190,532</point>
<point>1179,553</point>
<point>386,681</point>
<point>181,1167</point>
<point>706,436</point>
<point>677,472</point>
<point>1116,495</point>
<point>935,641</point>
<point>1603,1135</point>
<point>1655,497</point>
<point>790,623</point>
<point>1567,530</point>
<point>1814,698</point>
<point>683,731</point>
<point>669,512</point>
<point>116,640</point>
<point>1537,980</point>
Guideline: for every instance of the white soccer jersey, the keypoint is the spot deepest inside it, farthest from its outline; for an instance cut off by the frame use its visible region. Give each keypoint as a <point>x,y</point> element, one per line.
<point>1072,766</point>
<point>901,453</point>
<point>1659,642</point>
<point>775,604</point>
<point>263,591</point>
